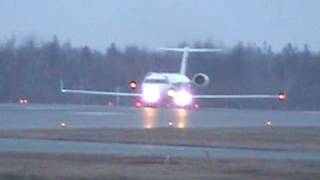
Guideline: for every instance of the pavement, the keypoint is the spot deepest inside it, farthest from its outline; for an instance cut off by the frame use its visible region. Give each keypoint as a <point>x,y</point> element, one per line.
<point>37,116</point>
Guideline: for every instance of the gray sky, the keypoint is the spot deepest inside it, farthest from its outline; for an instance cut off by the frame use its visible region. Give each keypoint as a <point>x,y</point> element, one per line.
<point>154,23</point>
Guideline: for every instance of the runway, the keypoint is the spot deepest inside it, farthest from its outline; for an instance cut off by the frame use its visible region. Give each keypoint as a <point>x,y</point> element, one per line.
<point>34,116</point>
<point>39,120</point>
<point>92,148</point>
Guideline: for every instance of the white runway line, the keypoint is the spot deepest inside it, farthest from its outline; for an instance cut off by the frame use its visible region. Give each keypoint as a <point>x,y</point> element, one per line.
<point>98,113</point>
<point>309,112</point>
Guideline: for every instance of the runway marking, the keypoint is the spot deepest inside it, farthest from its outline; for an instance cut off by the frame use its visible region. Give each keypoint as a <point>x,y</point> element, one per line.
<point>84,147</point>
<point>43,108</point>
<point>309,112</point>
<point>97,113</point>
<point>57,108</point>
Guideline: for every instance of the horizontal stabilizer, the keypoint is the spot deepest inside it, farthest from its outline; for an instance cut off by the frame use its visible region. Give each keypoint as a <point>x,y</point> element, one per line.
<point>187,49</point>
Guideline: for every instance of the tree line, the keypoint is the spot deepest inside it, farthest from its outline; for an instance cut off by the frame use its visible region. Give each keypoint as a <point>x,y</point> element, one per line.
<point>33,70</point>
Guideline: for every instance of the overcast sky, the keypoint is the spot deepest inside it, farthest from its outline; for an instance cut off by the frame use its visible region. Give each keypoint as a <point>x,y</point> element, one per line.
<point>154,23</point>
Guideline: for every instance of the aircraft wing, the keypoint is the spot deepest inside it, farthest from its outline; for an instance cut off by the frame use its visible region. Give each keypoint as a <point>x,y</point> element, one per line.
<point>107,93</point>
<point>280,96</point>
<point>74,91</point>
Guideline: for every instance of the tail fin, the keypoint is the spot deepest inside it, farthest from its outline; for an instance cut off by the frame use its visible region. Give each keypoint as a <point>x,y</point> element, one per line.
<point>186,50</point>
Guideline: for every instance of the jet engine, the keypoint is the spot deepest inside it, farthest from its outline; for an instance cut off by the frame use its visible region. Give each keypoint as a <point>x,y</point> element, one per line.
<point>200,79</point>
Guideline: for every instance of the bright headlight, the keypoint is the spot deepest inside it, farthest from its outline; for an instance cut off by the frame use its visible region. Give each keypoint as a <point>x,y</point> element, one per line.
<point>171,93</point>
<point>183,98</point>
<point>151,94</point>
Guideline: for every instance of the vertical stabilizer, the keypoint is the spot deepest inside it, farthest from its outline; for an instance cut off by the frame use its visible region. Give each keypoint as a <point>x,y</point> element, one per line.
<point>186,50</point>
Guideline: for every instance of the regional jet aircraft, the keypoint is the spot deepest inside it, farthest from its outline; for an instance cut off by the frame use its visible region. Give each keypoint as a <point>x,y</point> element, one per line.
<point>174,88</point>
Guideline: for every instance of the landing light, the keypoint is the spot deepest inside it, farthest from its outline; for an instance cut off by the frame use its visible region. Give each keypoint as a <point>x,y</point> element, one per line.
<point>151,94</point>
<point>183,98</point>
<point>282,96</point>
<point>171,93</point>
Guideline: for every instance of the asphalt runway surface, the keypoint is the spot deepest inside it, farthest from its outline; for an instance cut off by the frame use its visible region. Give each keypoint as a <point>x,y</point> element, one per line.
<point>96,148</point>
<point>37,116</point>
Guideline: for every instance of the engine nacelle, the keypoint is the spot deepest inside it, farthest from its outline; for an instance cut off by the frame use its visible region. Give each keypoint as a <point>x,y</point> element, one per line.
<point>200,79</point>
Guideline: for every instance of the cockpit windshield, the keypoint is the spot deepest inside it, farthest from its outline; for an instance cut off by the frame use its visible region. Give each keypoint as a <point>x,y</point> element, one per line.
<point>156,81</point>
<point>182,85</point>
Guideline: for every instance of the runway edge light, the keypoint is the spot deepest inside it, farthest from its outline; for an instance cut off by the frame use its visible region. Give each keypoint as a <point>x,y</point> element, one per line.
<point>63,124</point>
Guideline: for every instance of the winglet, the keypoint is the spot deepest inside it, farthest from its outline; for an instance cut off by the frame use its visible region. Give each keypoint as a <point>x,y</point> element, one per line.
<point>61,85</point>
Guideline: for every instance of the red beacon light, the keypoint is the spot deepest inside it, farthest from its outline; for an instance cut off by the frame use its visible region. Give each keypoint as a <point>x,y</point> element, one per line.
<point>196,105</point>
<point>282,96</point>
<point>138,104</point>
<point>133,85</point>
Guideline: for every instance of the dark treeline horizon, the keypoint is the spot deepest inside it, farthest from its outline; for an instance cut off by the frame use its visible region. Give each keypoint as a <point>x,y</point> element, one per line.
<point>33,70</point>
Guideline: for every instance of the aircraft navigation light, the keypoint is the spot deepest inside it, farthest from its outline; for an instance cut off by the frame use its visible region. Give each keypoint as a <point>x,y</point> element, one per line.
<point>133,85</point>
<point>138,104</point>
<point>282,96</point>
<point>183,98</point>
<point>196,105</point>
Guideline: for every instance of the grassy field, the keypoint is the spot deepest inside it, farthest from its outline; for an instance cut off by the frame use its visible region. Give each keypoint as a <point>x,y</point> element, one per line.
<point>274,138</point>
<point>15,166</point>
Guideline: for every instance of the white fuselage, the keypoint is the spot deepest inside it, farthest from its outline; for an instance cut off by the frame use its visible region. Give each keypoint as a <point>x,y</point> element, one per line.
<point>160,87</point>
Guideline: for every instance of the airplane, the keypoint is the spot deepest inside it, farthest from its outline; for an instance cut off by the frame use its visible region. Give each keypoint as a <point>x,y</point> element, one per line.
<point>174,89</point>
